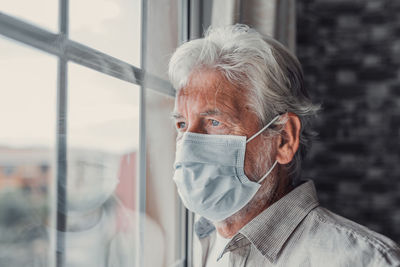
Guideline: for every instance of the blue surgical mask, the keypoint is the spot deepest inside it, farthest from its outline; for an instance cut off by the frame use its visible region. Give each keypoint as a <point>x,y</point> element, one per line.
<point>209,173</point>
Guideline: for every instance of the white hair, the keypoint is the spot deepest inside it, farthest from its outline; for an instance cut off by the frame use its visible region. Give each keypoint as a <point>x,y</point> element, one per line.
<point>271,74</point>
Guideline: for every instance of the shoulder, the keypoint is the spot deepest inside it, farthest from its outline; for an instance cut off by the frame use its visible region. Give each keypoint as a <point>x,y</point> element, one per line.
<point>123,244</point>
<point>331,232</point>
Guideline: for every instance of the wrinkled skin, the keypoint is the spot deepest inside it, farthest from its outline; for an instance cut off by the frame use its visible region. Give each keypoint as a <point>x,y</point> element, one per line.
<point>210,104</point>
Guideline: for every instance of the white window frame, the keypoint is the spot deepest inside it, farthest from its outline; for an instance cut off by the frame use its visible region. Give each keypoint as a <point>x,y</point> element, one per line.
<point>59,45</point>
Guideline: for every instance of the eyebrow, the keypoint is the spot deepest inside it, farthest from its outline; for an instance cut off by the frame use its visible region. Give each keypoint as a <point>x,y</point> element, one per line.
<point>176,115</point>
<point>211,112</point>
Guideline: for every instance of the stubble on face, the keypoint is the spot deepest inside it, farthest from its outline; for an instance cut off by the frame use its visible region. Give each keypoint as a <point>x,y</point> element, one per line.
<point>270,191</point>
<point>208,89</point>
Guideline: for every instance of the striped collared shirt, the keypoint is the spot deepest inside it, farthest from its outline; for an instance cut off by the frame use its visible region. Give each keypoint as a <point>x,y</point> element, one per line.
<point>296,231</point>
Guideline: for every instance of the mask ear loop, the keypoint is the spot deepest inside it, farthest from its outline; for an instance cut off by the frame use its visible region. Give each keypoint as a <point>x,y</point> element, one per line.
<point>263,129</point>
<point>268,172</point>
<point>254,136</point>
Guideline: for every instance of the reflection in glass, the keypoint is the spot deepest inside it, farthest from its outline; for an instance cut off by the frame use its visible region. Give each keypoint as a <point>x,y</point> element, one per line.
<point>27,140</point>
<point>43,13</point>
<point>111,26</point>
<point>103,132</point>
<point>161,201</point>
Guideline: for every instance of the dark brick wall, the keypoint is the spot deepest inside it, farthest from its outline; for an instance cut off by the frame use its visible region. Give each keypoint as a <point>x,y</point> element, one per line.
<point>350,52</point>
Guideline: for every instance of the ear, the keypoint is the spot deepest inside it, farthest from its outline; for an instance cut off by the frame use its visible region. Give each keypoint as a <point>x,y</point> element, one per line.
<point>288,141</point>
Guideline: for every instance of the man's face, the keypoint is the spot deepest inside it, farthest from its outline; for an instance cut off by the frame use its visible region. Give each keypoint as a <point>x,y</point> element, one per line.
<point>209,104</point>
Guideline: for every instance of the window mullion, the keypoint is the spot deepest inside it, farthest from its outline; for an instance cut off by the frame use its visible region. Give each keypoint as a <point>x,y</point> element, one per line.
<point>62,96</point>
<point>60,45</point>
<point>141,181</point>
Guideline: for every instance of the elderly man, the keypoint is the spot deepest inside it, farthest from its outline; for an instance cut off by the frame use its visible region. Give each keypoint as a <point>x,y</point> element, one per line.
<point>243,120</point>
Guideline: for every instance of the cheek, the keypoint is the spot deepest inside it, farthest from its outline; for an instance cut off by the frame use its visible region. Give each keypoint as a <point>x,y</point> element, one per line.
<point>260,155</point>
<point>235,129</point>
<point>251,162</point>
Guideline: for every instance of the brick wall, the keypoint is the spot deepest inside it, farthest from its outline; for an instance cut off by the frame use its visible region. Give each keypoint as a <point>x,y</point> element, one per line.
<point>350,52</point>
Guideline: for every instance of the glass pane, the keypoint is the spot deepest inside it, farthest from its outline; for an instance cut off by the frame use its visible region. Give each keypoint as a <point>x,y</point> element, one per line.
<point>43,13</point>
<point>27,148</point>
<point>111,26</point>
<point>103,131</point>
<point>162,200</point>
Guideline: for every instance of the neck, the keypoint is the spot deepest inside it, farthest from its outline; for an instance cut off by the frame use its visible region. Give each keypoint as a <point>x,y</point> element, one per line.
<point>81,221</point>
<point>271,191</point>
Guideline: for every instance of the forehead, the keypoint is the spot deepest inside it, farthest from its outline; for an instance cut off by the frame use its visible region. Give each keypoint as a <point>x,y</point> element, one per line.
<point>210,88</point>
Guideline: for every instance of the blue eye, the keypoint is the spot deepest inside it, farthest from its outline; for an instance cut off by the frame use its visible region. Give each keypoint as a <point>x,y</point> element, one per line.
<point>181,125</point>
<point>214,123</point>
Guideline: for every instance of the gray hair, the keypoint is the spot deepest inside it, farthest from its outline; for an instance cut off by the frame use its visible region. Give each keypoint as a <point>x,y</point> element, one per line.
<point>271,74</point>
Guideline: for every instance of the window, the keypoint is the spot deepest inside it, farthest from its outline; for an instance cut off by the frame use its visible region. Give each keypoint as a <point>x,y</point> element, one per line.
<point>86,147</point>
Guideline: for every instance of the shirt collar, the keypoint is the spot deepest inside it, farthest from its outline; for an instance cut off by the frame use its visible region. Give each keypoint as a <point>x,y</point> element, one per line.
<point>269,231</point>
